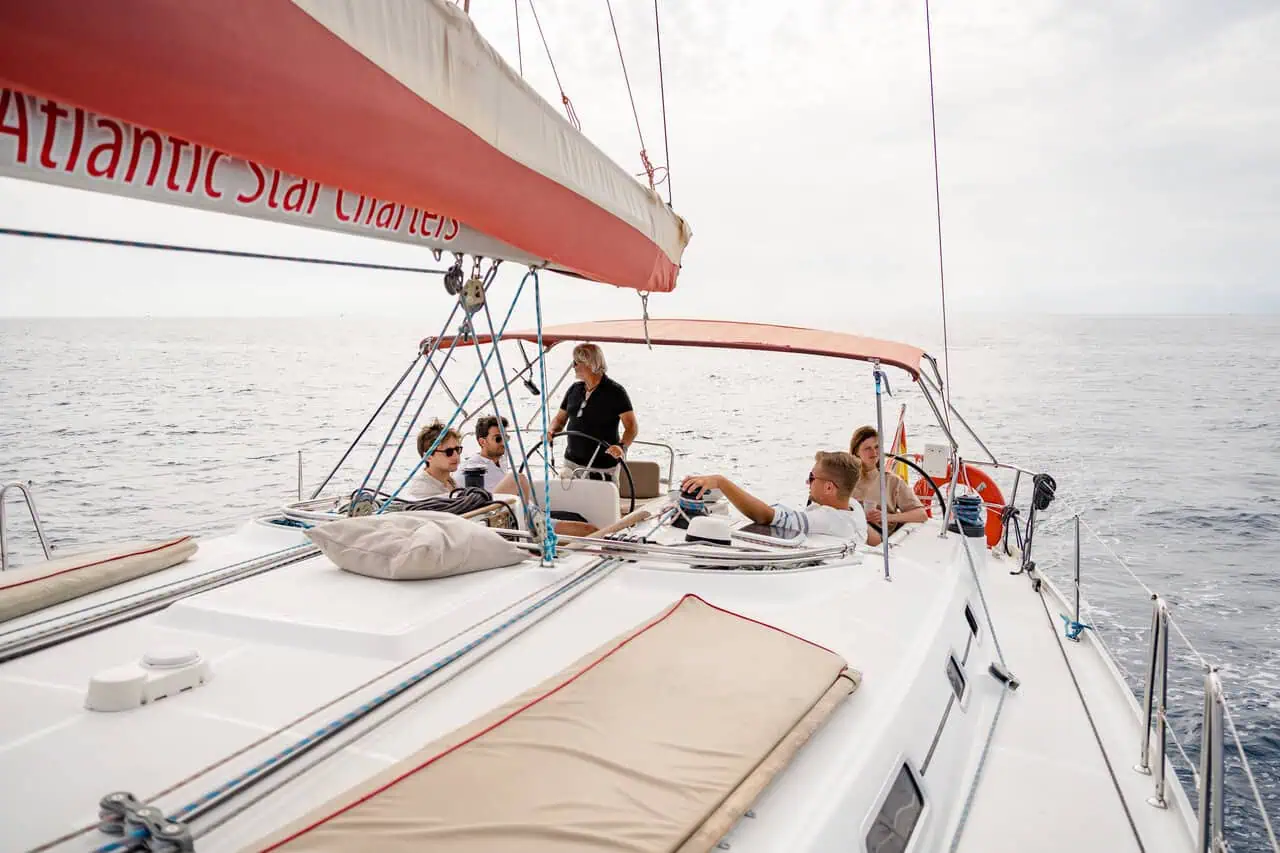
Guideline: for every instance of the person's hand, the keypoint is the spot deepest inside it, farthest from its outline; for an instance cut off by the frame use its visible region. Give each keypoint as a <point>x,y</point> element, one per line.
<point>700,484</point>
<point>615,451</point>
<point>873,516</point>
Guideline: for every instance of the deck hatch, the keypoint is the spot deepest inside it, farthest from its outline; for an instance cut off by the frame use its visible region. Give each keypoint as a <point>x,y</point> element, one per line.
<point>891,832</point>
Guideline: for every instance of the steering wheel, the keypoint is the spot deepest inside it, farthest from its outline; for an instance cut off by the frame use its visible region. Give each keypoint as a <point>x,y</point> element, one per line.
<point>937,492</point>
<point>604,447</point>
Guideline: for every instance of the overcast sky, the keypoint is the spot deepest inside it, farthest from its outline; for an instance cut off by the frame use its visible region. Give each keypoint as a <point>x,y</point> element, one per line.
<point>1096,156</point>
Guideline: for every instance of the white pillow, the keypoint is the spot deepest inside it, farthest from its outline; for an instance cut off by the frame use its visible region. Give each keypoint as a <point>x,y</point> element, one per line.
<point>413,545</point>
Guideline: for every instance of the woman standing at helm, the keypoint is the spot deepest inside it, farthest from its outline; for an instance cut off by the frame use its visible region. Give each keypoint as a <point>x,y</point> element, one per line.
<point>904,507</point>
<point>594,406</point>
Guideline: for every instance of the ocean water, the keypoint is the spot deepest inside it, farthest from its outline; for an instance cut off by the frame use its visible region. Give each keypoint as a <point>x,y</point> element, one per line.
<point>1162,432</point>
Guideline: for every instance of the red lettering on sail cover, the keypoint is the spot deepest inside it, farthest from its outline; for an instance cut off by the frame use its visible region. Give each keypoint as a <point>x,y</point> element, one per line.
<point>178,145</point>
<point>53,112</point>
<point>85,148</point>
<point>262,185</point>
<point>113,147</point>
<point>208,175</point>
<point>19,130</point>
<point>337,207</point>
<point>140,136</point>
<point>296,195</point>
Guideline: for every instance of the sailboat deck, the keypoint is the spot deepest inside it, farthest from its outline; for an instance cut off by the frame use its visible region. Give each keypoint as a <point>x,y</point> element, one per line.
<point>285,643</point>
<point>1045,765</point>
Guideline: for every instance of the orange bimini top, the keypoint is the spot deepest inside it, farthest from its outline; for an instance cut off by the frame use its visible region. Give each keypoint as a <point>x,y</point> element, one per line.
<point>723,334</point>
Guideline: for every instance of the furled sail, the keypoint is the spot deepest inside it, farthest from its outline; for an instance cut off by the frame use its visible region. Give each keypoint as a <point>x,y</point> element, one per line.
<point>393,119</point>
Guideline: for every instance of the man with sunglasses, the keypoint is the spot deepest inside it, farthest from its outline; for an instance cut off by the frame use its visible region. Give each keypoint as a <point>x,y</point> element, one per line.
<point>492,456</point>
<point>436,476</point>
<point>830,481</point>
<point>593,409</point>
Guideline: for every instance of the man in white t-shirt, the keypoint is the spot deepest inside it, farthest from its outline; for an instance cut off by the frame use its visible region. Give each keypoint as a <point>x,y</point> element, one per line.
<point>492,458</point>
<point>831,482</point>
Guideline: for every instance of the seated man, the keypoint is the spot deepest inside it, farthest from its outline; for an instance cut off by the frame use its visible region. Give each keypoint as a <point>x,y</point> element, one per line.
<point>831,482</point>
<point>492,458</point>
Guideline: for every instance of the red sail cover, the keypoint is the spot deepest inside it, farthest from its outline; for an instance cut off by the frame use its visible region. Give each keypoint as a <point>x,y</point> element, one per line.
<point>388,118</point>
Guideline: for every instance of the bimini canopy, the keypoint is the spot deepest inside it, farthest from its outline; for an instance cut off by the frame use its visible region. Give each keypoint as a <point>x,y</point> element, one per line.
<point>725,334</point>
<point>393,119</point>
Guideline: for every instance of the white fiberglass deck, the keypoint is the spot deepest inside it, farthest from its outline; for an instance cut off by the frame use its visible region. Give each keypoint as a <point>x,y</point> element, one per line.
<point>284,643</point>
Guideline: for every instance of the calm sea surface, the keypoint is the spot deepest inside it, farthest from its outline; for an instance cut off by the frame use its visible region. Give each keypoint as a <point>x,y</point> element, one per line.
<point>1163,432</point>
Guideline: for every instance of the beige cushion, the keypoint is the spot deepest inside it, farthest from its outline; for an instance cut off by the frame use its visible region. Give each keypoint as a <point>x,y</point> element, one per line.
<point>655,742</point>
<point>45,584</point>
<point>647,475</point>
<point>413,545</point>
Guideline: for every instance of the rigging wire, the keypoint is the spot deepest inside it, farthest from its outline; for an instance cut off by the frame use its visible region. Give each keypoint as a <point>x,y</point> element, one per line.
<point>203,250</point>
<point>644,154</point>
<point>519,46</point>
<point>662,94</point>
<point>564,99</point>
<point>937,197</point>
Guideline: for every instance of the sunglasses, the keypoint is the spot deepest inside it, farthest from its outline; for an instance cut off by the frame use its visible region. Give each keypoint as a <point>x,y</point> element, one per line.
<point>450,451</point>
<point>813,476</point>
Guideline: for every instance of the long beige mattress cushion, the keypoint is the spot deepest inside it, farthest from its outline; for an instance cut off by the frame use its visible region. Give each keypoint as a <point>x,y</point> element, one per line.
<point>27,590</point>
<point>656,741</point>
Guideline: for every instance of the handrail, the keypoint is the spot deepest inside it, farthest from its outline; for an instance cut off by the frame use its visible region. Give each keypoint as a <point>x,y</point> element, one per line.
<point>1212,768</point>
<point>1210,776</point>
<point>25,490</point>
<point>671,452</point>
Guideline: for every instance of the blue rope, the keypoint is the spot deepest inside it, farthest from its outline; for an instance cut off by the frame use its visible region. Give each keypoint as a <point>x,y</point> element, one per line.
<point>1073,628</point>
<point>511,404</point>
<point>346,719</point>
<point>484,364</point>
<point>549,543</point>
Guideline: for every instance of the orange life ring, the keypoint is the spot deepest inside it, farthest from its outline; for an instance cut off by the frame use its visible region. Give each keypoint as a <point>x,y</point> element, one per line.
<point>980,482</point>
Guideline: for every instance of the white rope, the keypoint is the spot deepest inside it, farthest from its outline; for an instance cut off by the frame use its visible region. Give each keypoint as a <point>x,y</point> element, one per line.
<point>1248,772</point>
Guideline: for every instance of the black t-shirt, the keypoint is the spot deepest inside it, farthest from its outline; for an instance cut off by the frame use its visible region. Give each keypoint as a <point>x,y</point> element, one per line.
<point>598,417</point>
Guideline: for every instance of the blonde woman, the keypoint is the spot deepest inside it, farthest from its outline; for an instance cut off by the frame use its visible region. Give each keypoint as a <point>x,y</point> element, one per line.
<point>595,406</point>
<point>904,507</point>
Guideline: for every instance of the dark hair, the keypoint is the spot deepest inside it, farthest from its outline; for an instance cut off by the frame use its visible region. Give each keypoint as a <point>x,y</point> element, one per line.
<point>431,432</point>
<point>487,423</point>
<point>860,435</point>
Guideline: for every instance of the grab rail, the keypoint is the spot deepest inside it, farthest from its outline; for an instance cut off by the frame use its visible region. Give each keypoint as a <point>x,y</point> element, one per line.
<point>25,490</point>
<point>1215,718</point>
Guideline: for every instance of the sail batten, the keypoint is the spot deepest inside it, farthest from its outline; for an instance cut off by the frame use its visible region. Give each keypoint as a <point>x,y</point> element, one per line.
<point>297,112</point>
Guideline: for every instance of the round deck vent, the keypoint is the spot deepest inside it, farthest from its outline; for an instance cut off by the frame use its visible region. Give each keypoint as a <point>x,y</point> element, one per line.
<point>161,672</point>
<point>170,657</point>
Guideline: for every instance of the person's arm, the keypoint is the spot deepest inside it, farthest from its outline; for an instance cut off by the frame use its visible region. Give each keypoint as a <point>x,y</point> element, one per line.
<point>745,502</point>
<point>630,429</point>
<point>912,516</point>
<point>557,424</point>
<point>910,510</point>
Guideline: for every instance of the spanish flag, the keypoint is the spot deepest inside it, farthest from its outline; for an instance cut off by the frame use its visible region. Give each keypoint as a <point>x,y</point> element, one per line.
<point>900,446</point>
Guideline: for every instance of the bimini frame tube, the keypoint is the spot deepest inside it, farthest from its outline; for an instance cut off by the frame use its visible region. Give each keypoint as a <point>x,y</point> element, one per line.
<point>884,507</point>
<point>925,379</point>
<point>937,413</point>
